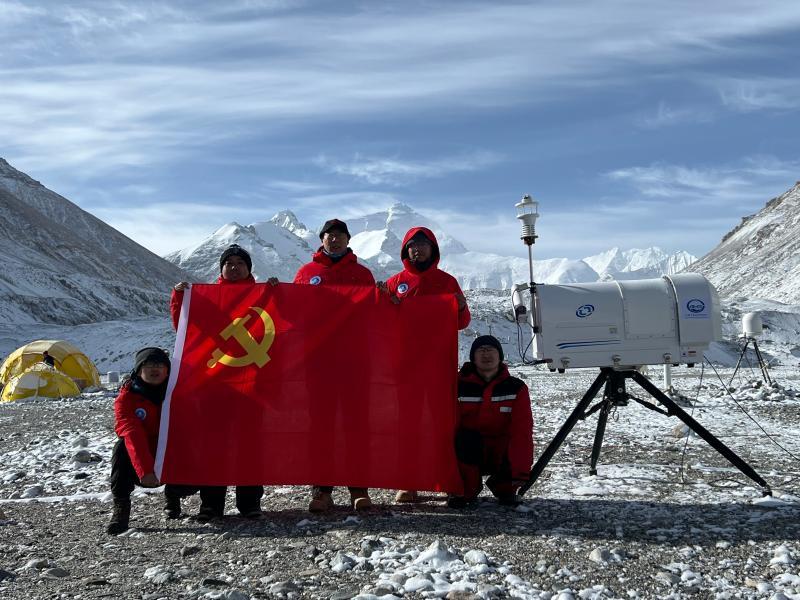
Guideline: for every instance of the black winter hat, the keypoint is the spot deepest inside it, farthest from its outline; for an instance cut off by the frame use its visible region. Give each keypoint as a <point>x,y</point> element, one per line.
<point>154,355</point>
<point>236,250</point>
<point>334,224</point>
<point>485,340</point>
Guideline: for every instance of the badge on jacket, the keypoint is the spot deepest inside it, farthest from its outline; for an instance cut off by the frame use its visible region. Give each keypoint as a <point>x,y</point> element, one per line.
<point>402,288</point>
<point>141,413</point>
<point>315,280</point>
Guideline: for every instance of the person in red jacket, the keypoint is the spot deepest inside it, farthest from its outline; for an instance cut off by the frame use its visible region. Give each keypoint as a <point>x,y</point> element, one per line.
<point>334,263</point>
<point>137,414</point>
<point>421,276</point>
<point>235,266</point>
<point>494,435</point>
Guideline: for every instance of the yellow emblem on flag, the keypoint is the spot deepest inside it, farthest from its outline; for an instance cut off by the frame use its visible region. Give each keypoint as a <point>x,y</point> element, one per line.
<point>256,352</point>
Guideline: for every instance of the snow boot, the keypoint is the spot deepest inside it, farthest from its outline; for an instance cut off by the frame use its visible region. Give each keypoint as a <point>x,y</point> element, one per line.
<point>359,499</point>
<point>406,496</point>
<point>172,507</point>
<point>320,502</point>
<point>120,517</point>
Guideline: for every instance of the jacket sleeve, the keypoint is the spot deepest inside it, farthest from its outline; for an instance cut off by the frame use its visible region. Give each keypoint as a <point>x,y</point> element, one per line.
<point>520,447</point>
<point>175,302</point>
<point>131,429</point>
<point>464,316</point>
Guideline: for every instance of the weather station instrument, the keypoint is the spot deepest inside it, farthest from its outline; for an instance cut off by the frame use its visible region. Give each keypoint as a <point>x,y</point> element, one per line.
<point>618,326</point>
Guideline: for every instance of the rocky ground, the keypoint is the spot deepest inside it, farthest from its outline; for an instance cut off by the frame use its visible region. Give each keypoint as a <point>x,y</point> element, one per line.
<point>666,517</point>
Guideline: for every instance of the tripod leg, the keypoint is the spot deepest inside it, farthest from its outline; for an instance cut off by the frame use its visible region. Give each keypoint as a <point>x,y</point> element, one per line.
<point>761,363</point>
<point>576,415</point>
<point>602,419</point>
<point>709,438</point>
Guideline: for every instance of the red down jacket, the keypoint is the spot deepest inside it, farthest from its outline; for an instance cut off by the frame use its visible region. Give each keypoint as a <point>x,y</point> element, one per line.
<point>413,282</point>
<point>323,271</point>
<point>500,410</point>
<point>136,421</point>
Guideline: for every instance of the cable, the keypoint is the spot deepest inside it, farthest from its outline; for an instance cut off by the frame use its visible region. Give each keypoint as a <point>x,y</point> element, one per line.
<point>689,433</point>
<point>736,402</point>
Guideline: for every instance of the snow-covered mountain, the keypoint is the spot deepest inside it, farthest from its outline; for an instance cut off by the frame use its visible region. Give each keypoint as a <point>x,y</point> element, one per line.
<point>638,263</point>
<point>760,258</point>
<point>275,250</point>
<point>377,238</point>
<point>63,265</point>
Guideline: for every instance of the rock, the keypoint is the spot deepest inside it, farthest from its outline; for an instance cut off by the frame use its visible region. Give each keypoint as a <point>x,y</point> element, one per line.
<point>600,555</point>
<point>190,550</point>
<point>461,595</point>
<point>94,581</point>
<point>343,595</point>
<point>419,583</point>
<point>437,555</point>
<point>670,578</point>
<point>213,582</point>
<point>6,575</point>
<point>342,562</point>
<point>33,491</point>
<point>84,456</point>
<point>80,442</point>
<point>55,573</point>
<point>37,563</point>
<point>234,595</point>
<point>158,574</point>
<point>283,588</point>
<point>80,475</point>
<point>476,557</point>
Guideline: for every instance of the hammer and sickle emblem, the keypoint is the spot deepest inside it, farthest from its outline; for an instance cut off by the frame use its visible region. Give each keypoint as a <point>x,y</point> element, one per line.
<point>255,352</point>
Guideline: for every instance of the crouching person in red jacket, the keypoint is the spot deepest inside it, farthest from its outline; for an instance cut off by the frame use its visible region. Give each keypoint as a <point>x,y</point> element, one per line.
<point>495,428</point>
<point>137,414</point>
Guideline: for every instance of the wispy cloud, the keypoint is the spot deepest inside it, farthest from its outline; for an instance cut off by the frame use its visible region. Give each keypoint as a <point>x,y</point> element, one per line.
<point>749,95</point>
<point>169,79</point>
<point>665,115</point>
<point>394,171</point>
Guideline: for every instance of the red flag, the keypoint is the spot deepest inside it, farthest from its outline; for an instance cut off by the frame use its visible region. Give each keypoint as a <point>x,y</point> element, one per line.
<point>296,384</point>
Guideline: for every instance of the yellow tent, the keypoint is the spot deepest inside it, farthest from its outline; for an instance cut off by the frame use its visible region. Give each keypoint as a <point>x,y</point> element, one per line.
<point>68,359</point>
<point>39,381</point>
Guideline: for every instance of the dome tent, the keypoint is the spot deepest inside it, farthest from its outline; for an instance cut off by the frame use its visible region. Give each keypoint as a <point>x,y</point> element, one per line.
<point>39,381</point>
<point>68,360</point>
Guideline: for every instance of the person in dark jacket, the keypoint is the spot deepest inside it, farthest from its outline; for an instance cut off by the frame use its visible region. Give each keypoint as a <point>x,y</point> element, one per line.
<point>421,276</point>
<point>48,360</point>
<point>494,435</point>
<point>334,263</point>
<point>235,266</point>
<point>137,414</point>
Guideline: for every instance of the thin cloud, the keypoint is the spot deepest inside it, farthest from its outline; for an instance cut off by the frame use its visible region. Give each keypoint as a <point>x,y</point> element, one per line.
<point>666,116</point>
<point>760,94</point>
<point>375,170</point>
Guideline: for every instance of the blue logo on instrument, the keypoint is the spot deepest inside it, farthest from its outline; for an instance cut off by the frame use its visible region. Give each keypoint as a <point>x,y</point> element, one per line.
<point>315,280</point>
<point>696,306</point>
<point>402,288</point>
<point>585,310</point>
<point>141,413</point>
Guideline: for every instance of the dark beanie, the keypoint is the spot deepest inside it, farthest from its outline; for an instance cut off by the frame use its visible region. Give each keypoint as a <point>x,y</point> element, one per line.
<point>154,355</point>
<point>236,250</point>
<point>334,224</point>
<point>485,340</point>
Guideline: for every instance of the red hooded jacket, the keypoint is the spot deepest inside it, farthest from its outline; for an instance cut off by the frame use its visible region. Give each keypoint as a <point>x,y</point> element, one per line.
<point>345,271</point>
<point>413,282</point>
<point>136,421</point>
<point>176,300</point>
<point>500,410</point>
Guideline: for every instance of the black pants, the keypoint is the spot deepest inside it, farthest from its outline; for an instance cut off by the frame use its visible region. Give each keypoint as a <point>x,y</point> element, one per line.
<point>124,479</point>
<point>480,455</point>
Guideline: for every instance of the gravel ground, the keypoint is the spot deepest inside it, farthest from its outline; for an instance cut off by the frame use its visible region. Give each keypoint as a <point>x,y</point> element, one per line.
<point>633,531</point>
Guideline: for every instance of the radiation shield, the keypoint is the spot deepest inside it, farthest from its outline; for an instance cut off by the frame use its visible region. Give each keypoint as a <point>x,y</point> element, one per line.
<point>670,320</point>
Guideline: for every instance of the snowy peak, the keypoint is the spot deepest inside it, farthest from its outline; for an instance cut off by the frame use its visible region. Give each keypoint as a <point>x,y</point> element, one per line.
<point>398,219</point>
<point>287,220</point>
<point>275,251</point>
<point>760,257</point>
<point>638,263</point>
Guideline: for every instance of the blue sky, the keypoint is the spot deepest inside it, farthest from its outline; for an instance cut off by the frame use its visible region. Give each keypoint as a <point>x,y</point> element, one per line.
<point>633,123</point>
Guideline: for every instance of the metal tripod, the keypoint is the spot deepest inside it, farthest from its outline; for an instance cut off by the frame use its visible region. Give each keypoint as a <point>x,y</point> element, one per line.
<point>761,362</point>
<point>615,395</point>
